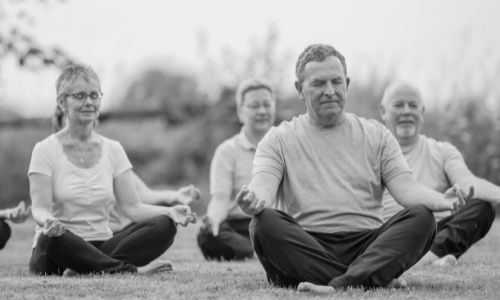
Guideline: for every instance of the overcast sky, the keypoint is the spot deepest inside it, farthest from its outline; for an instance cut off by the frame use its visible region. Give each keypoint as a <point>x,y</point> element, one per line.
<point>119,37</point>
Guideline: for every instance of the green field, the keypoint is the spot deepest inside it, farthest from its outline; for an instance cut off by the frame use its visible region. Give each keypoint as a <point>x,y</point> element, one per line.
<point>477,276</point>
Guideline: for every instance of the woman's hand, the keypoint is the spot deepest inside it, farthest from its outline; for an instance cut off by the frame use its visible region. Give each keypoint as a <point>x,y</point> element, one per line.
<point>53,228</point>
<point>181,214</point>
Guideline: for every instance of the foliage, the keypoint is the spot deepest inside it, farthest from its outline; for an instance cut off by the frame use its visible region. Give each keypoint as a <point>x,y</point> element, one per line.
<point>18,42</point>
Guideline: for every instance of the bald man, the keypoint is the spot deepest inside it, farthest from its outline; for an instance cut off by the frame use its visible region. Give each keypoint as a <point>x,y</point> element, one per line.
<point>437,165</point>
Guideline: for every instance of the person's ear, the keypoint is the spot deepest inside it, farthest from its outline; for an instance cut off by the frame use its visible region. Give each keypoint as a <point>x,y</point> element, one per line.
<point>298,87</point>
<point>381,109</point>
<point>347,81</point>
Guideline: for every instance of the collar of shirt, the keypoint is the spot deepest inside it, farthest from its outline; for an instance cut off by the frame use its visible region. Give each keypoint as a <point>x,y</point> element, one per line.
<point>244,142</point>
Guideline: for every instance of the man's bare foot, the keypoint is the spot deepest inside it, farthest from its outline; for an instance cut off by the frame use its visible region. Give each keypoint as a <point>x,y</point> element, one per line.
<point>314,288</point>
<point>156,266</point>
<point>397,283</point>
<point>70,273</point>
<point>427,259</point>
<point>448,260</point>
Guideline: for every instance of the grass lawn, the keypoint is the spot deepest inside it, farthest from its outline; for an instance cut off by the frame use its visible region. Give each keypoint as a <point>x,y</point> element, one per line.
<point>477,276</point>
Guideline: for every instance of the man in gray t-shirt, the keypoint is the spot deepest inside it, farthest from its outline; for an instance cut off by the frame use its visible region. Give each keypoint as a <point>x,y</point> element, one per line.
<point>324,173</point>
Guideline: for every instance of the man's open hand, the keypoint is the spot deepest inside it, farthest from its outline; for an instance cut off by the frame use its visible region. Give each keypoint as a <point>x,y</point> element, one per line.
<point>248,201</point>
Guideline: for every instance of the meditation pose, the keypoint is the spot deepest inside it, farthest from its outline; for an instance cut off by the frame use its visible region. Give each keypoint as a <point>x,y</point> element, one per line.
<point>224,234</point>
<point>75,175</point>
<point>324,173</point>
<point>438,165</point>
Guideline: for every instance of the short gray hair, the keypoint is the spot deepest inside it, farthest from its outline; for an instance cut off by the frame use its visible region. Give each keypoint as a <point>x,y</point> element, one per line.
<point>316,52</point>
<point>398,86</point>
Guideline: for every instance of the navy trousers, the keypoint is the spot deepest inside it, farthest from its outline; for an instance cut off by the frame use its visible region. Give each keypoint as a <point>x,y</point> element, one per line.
<point>136,245</point>
<point>369,258</point>
<point>457,232</point>
<point>5,233</point>
<point>232,243</point>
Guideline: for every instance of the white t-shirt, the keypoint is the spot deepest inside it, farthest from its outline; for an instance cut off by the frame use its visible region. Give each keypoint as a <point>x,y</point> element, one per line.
<point>81,197</point>
<point>433,164</point>
<point>332,179</point>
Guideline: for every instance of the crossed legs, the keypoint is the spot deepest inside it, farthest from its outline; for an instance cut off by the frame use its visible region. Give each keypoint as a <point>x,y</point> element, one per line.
<point>134,246</point>
<point>370,258</point>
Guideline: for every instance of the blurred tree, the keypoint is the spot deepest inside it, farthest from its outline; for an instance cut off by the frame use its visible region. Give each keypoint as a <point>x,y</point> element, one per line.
<point>224,68</point>
<point>16,40</point>
<point>174,95</point>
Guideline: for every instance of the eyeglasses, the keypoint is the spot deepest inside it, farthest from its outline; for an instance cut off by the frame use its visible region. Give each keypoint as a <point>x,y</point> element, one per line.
<point>82,96</point>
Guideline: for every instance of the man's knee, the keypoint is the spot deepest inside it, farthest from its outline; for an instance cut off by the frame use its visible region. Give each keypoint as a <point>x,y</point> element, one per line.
<point>423,218</point>
<point>486,210</point>
<point>5,233</point>
<point>264,221</point>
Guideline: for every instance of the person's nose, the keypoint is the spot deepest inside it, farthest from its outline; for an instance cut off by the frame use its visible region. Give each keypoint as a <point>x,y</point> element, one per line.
<point>262,109</point>
<point>329,89</point>
<point>406,109</point>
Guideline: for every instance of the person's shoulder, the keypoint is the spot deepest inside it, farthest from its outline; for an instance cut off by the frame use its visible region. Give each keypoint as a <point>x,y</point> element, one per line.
<point>287,126</point>
<point>47,142</point>
<point>432,142</point>
<point>228,144</point>
<point>111,144</point>
<point>369,124</point>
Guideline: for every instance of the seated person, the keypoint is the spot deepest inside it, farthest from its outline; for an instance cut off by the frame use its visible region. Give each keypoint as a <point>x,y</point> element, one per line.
<point>438,165</point>
<point>74,175</point>
<point>224,234</point>
<point>324,173</point>
<point>17,214</point>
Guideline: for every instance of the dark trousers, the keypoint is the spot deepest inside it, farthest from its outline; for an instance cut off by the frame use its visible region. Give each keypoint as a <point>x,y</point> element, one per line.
<point>5,233</point>
<point>370,258</point>
<point>136,245</point>
<point>232,243</point>
<point>457,232</point>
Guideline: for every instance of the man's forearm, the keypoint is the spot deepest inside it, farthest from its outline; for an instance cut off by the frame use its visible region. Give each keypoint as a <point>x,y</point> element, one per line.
<point>420,194</point>
<point>483,189</point>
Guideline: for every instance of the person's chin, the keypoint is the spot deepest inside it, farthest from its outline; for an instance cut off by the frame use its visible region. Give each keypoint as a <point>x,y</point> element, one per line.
<point>406,131</point>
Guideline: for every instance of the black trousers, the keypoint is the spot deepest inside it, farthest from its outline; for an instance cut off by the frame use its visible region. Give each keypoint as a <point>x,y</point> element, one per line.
<point>232,243</point>
<point>136,245</point>
<point>5,233</point>
<point>457,232</point>
<point>370,258</point>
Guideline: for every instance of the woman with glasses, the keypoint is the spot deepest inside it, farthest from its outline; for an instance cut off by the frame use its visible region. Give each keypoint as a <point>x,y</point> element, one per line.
<point>75,174</point>
<point>224,234</point>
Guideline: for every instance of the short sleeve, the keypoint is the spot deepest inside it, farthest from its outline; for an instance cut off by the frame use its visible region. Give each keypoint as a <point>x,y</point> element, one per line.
<point>268,156</point>
<point>41,161</point>
<point>222,171</point>
<point>393,162</point>
<point>121,163</point>
<point>453,163</point>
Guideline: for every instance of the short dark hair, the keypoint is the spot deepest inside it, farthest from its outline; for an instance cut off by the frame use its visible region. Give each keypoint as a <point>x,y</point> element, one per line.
<point>316,52</point>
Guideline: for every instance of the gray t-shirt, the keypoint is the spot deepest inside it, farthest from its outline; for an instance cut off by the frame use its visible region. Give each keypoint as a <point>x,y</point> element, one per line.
<point>331,180</point>
<point>435,164</point>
